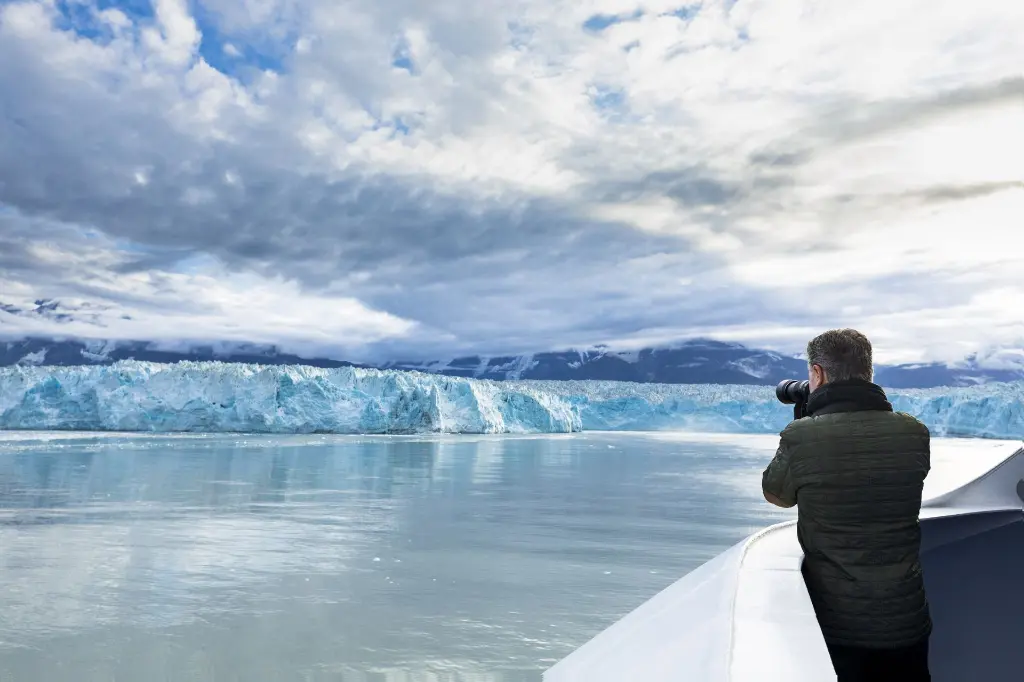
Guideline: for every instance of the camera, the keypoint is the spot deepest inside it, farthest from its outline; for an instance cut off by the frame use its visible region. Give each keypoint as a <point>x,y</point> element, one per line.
<point>795,393</point>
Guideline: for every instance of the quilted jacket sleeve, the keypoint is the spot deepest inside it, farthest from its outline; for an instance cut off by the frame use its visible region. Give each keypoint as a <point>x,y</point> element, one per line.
<point>778,477</point>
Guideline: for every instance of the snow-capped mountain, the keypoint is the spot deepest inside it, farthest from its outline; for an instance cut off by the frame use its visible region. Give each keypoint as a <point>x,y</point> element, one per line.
<point>700,361</point>
<point>71,353</point>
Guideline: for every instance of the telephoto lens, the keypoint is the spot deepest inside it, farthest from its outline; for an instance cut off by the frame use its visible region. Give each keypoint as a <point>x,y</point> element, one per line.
<point>791,391</point>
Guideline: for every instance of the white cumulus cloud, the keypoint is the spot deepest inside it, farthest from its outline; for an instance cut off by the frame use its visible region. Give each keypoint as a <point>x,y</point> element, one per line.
<point>405,177</point>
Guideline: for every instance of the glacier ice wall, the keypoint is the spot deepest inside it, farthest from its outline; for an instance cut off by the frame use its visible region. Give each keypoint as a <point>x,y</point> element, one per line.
<point>217,397</point>
<point>988,411</point>
<point>210,396</point>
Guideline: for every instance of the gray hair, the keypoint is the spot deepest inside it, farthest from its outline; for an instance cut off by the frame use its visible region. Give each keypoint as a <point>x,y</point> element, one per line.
<point>842,353</point>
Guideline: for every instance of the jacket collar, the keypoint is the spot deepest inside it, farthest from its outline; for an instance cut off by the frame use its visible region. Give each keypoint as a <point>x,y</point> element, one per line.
<point>850,395</point>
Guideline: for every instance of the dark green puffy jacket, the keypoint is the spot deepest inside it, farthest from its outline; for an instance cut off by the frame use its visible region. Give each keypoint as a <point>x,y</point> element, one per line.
<point>855,469</point>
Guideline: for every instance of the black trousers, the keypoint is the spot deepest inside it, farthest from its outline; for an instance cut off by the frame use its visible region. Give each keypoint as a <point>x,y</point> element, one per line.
<point>909,664</point>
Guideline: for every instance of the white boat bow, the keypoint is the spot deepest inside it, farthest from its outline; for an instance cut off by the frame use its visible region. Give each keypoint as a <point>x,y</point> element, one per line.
<point>745,616</point>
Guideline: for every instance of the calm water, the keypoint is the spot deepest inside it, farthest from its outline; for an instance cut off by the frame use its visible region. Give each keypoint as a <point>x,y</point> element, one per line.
<point>459,559</point>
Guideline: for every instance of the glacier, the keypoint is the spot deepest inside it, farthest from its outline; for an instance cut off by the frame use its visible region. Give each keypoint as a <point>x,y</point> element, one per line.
<point>222,397</point>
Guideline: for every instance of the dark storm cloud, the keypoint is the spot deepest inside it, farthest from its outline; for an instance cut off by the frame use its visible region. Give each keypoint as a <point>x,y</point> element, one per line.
<point>865,119</point>
<point>849,119</point>
<point>944,193</point>
<point>690,186</point>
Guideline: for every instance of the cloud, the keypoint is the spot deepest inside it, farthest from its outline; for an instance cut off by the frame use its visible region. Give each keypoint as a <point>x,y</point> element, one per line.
<point>394,177</point>
<point>100,292</point>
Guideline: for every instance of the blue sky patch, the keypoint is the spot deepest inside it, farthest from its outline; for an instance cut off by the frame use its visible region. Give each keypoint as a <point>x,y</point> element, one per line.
<point>83,21</point>
<point>398,126</point>
<point>686,13</point>
<point>234,55</point>
<point>600,22</point>
<point>133,9</point>
<point>521,34</point>
<point>607,99</point>
<point>401,56</point>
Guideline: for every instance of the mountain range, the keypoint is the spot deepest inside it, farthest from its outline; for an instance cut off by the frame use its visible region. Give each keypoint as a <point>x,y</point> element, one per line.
<point>699,361</point>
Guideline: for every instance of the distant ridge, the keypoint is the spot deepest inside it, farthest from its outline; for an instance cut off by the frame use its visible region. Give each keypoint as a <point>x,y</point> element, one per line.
<point>699,361</point>
<point>66,353</point>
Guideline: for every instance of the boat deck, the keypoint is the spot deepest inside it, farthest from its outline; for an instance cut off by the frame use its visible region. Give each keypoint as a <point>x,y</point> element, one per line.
<point>746,614</point>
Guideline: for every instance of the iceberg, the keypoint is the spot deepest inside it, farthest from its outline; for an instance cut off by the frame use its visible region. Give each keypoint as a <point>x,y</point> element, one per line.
<point>240,398</point>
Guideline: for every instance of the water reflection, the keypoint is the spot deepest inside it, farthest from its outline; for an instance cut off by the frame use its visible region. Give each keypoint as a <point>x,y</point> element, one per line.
<point>345,558</point>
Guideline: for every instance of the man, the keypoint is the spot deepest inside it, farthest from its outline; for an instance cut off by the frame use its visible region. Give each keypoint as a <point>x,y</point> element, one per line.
<point>855,469</point>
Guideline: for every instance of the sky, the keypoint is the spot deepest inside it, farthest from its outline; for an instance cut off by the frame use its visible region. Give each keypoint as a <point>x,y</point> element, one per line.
<point>376,179</point>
